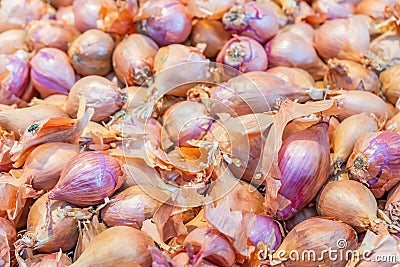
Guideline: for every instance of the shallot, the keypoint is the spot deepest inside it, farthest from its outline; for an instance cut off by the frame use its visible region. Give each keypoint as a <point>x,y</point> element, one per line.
<point>303,172</point>
<point>252,19</point>
<point>133,59</point>
<point>91,53</point>
<point>51,72</point>
<point>100,94</point>
<point>350,202</point>
<point>243,53</point>
<point>375,161</point>
<point>76,184</point>
<point>165,21</point>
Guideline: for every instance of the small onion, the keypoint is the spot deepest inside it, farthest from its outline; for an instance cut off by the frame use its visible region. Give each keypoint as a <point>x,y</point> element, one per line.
<point>130,208</point>
<point>66,15</point>
<point>115,245</point>
<point>295,76</point>
<point>171,73</point>
<point>390,83</point>
<point>303,172</point>
<point>212,9</point>
<point>347,134</point>
<point>252,19</point>
<point>349,75</point>
<point>91,53</point>
<point>165,21</point>
<point>254,92</point>
<point>350,202</point>
<point>77,184</point>
<point>86,14</point>
<point>385,50</point>
<point>133,59</point>
<point>12,41</point>
<point>49,33</point>
<point>45,163</point>
<point>14,76</point>
<point>292,47</point>
<point>209,246</point>
<point>375,161</point>
<point>267,231</point>
<point>211,33</point>
<point>333,9</point>
<point>354,102</point>
<point>243,53</point>
<point>374,9</point>
<point>185,121</point>
<point>318,235</point>
<point>51,72</point>
<point>100,94</point>
<point>393,124</point>
<point>343,38</point>
<point>116,17</point>
<point>53,235</point>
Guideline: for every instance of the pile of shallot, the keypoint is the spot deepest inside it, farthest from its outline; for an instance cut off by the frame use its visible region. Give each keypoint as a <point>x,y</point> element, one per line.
<point>175,133</point>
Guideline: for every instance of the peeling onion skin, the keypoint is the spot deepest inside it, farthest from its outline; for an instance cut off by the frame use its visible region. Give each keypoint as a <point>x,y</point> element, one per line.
<point>252,19</point>
<point>393,204</point>
<point>77,184</point>
<point>52,72</point>
<point>165,21</point>
<point>100,94</point>
<point>375,161</point>
<point>349,75</point>
<point>393,124</point>
<point>61,233</point>
<point>91,53</point>
<point>133,59</point>
<point>185,121</point>
<point>244,54</point>
<point>130,208</point>
<point>304,160</point>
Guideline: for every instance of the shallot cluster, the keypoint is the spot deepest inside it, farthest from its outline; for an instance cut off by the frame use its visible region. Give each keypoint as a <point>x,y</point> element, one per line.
<point>202,133</point>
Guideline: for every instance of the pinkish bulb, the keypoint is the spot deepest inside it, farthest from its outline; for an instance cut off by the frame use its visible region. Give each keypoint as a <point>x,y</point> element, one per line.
<point>14,76</point>
<point>243,53</point>
<point>51,72</point>
<point>165,21</point>
<point>252,19</point>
